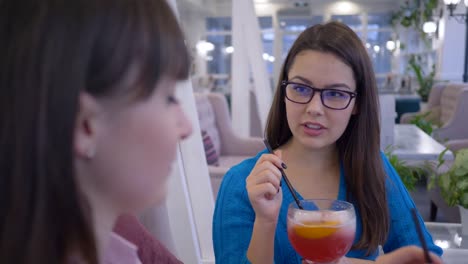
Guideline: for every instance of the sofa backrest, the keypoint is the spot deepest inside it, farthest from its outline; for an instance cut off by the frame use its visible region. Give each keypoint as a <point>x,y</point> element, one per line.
<point>449,100</point>
<point>435,95</point>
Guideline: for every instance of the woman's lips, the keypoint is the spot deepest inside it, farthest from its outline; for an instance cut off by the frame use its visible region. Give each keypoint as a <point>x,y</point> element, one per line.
<point>313,129</point>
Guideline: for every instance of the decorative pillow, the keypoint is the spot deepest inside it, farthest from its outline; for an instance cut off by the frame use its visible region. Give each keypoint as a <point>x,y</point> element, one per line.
<point>207,118</point>
<point>212,157</point>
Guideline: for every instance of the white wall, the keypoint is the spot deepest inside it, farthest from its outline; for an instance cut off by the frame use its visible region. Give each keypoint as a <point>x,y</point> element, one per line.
<point>452,51</point>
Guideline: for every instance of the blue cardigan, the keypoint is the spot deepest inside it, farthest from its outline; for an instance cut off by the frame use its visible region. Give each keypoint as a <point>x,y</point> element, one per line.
<point>234,217</point>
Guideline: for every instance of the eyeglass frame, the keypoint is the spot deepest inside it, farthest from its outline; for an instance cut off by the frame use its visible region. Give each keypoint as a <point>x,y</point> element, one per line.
<point>285,83</point>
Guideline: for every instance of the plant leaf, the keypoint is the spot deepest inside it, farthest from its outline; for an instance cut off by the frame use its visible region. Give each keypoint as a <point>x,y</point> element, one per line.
<point>460,172</point>
<point>464,200</point>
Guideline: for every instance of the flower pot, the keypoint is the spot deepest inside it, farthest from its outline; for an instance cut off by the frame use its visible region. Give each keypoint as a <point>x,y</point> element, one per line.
<point>464,219</point>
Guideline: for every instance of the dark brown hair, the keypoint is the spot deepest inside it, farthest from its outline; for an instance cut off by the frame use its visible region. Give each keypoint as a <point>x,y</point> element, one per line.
<point>51,51</point>
<point>359,146</point>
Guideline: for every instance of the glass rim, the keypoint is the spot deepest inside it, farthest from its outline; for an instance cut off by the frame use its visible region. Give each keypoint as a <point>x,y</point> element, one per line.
<point>293,205</point>
<point>349,207</point>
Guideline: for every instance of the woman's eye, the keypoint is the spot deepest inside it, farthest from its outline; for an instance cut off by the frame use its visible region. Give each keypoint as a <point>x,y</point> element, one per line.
<point>336,94</point>
<point>301,89</point>
<point>172,100</point>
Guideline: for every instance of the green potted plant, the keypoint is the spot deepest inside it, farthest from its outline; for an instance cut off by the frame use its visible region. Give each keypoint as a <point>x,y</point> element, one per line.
<point>413,14</point>
<point>454,185</point>
<point>425,81</point>
<point>409,175</point>
<point>422,121</point>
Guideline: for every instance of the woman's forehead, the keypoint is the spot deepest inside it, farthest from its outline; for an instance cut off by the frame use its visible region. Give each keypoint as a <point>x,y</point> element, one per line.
<point>321,69</point>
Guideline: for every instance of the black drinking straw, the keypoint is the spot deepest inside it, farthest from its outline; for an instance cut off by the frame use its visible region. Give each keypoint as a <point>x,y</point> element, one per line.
<point>290,187</point>
<point>421,237</point>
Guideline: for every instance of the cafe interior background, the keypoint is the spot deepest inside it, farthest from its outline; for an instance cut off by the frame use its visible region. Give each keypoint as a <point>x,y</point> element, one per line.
<point>419,53</point>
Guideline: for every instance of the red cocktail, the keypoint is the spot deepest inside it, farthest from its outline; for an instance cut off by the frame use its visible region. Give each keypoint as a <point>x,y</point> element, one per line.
<point>323,231</point>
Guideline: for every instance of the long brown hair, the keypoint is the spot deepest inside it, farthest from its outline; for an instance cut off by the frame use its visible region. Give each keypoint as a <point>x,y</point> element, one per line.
<point>51,51</point>
<point>359,146</point>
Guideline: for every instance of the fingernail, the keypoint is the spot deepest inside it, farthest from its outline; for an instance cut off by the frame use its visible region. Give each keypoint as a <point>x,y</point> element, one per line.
<point>284,165</point>
<point>278,190</point>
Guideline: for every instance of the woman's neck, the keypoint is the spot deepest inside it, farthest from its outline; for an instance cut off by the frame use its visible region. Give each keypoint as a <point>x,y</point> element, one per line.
<point>296,154</point>
<point>103,218</point>
<point>103,213</point>
<point>103,222</point>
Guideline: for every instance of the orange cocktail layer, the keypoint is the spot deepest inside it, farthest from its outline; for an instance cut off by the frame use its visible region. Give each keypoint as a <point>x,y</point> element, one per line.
<point>323,241</point>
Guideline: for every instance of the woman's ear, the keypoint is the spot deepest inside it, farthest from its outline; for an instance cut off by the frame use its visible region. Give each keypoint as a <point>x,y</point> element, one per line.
<point>86,127</point>
<point>355,110</point>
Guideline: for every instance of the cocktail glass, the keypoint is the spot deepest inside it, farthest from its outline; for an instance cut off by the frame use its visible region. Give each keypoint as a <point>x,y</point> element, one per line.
<point>323,231</point>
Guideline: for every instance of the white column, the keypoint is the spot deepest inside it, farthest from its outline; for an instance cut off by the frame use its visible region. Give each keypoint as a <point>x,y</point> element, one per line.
<point>248,52</point>
<point>189,204</point>
<point>277,48</point>
<point>240,96</point>
<point>453,47</point>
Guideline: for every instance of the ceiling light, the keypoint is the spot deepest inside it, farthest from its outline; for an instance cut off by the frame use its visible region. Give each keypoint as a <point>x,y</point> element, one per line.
<point>429,27</point>
<point>203,47</point>
<point>377,48</point>
<point>391,45</point>
<point>344,7</point>
<point>229,49</point>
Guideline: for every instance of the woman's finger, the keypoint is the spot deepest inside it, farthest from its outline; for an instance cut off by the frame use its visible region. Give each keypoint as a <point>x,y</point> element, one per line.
<point>264,190</point>
<point>273,159</point>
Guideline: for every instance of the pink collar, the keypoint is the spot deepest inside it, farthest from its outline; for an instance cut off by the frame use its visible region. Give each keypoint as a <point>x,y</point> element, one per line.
<point>120,250</point>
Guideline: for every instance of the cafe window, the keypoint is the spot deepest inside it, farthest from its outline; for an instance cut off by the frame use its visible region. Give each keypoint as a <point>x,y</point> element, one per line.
<point>219,33</point>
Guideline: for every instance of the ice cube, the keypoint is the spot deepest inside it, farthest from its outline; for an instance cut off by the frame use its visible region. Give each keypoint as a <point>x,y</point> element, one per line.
<point>308,216</point>
<point>336,216</point>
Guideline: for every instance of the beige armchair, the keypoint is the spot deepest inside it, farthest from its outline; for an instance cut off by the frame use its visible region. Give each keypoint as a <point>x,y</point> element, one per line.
<point>433,106</point>
<point>213,114</point>
<point>448,105</point>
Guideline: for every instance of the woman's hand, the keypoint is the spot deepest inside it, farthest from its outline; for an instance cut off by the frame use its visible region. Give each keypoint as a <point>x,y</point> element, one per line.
<point>263,187</point>
<point>407,255</point>
<point>265,195</point>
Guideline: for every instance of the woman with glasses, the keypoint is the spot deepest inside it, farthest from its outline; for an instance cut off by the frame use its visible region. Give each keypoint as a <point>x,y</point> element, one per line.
<point>324,127</point>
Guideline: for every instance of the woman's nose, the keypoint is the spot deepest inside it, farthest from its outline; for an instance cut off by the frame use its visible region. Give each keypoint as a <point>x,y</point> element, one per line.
<point>185,126</point>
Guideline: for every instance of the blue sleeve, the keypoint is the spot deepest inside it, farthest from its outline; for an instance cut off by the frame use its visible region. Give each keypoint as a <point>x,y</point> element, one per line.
<point>233,219</point>
<point>402,230</point>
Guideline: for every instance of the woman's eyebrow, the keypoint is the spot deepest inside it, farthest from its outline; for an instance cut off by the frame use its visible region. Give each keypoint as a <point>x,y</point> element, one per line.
<point>308,82</point>
<point>338,85</point>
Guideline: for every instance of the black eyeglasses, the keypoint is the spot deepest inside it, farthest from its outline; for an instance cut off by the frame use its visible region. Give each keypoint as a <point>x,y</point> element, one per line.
<point>331,98</point>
